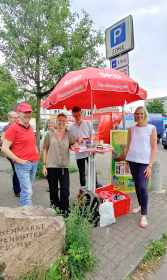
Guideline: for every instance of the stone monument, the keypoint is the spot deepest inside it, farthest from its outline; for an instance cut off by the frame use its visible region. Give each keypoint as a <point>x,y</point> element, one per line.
<point>29,237</point>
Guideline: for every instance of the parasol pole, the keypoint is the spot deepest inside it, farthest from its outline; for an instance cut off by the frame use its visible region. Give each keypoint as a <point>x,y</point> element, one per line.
<point>91,158</point>
<point>92,108</point>
<point>124,117</point>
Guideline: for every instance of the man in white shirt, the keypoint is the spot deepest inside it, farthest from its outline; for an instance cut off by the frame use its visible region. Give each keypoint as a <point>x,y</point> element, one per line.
<point>82,130</point>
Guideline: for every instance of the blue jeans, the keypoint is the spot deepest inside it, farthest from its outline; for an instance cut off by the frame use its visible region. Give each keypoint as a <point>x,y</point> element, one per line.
<point>26,175</point>
<point>141,182</point>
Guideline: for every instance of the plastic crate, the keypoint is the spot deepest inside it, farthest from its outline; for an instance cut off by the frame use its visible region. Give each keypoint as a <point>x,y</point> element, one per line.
<point>121,207</point>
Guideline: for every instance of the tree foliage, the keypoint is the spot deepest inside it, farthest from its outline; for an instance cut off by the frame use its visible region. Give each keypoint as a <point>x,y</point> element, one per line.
<point>42,40</point>
<point>156,106</point>
<point>8,93</point>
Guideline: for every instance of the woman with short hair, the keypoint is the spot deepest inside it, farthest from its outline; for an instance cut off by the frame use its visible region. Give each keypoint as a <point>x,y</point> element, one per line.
<point>141,154</point>
<point>56,160</point>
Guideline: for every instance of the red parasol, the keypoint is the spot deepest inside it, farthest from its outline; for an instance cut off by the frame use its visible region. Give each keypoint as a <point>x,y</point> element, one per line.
<point>102,87</point>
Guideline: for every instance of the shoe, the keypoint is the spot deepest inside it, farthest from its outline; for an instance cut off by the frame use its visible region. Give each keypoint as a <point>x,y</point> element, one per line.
<point>17,194</point>
<point>83,189</point>
<point>136,210</point>
<point>143,221</point>
<point>65,213</point>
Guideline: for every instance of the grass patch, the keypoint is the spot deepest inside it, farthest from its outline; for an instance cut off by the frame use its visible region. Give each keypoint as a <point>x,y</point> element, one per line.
<point>39,174</point>
<point>72,168</point>
<point>154,252</point>
<point>77,258</point>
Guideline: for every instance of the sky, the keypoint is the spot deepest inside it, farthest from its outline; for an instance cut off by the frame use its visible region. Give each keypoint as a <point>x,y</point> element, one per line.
<point>148,60</point>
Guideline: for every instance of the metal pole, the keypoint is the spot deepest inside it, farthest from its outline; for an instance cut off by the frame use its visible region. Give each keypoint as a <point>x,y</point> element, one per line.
<point>91,159</point>
<point>156,178</point>
<point>123,117</point>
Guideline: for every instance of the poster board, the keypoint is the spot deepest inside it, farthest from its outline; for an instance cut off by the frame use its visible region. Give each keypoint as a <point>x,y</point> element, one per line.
<point>121,176</point>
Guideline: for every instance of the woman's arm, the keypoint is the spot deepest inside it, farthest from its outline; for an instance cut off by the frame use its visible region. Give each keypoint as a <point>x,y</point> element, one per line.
<point>45,154</point>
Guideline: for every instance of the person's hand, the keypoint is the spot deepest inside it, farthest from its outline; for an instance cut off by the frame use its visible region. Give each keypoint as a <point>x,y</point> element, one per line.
<point>148,171</point>
<point>21,161</point>
<point>45,172</point>
<point>80,140</point>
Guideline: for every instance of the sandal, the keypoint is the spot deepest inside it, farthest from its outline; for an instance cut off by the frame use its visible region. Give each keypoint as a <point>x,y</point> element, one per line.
<point>143,221</point>
<point>136,210</point>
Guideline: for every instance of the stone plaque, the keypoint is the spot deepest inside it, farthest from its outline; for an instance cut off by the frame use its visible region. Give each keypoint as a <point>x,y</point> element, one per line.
<point>30,236</point>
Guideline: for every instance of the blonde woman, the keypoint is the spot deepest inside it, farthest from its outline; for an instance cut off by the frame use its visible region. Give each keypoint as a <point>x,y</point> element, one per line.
<point>141,153</point>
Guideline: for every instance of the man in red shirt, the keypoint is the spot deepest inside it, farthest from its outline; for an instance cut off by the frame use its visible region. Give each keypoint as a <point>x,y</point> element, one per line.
<point>19,144</point>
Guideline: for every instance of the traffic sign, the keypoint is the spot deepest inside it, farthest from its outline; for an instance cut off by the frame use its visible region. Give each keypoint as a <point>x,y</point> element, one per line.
<point>119,61</point>
<point>119,37</point>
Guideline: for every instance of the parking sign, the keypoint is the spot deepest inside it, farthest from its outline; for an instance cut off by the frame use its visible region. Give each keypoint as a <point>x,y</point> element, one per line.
<point>119,37</point>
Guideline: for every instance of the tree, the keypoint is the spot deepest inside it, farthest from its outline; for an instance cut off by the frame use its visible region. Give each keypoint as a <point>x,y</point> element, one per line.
<point>155,106</point>
<point>42,40</point>
<point>8,93</point>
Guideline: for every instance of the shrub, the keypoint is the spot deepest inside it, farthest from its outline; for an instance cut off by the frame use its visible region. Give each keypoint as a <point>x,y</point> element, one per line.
<point>77,258</point>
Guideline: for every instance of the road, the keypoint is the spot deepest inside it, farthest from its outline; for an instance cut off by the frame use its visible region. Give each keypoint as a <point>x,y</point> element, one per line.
<point>162,157</point>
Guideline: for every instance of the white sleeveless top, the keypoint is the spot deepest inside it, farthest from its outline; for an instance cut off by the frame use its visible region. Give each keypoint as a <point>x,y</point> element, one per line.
<point>140,146</point>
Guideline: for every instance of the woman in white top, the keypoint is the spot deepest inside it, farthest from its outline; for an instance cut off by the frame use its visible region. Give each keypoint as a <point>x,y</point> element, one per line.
<point>141,153</point>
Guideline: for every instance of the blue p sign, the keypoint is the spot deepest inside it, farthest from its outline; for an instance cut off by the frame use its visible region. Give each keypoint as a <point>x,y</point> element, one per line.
<point>118,35</point>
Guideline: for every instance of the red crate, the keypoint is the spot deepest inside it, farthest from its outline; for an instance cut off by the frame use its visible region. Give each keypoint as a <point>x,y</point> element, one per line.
<point>121,207</point>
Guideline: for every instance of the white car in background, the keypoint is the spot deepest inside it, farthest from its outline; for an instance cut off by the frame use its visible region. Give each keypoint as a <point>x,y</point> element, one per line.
<point>2,125</point>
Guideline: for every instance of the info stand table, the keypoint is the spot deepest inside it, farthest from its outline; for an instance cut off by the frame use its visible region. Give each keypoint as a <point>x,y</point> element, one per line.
<point>91,184</point>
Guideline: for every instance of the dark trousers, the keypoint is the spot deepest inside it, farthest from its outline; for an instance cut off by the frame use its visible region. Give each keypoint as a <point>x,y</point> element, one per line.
<point>137,170</point>
<point>81,163</point>
<point>59,197</point>
<point>16,184</point>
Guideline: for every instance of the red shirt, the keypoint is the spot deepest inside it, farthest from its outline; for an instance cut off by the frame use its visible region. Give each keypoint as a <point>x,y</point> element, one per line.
<point>23,141</point>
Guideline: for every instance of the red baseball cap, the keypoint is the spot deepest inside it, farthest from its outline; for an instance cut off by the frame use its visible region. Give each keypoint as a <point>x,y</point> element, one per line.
<point>24,108</point>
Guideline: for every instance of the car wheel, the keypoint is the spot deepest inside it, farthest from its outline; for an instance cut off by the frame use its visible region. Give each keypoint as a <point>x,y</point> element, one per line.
<point>165,147</point>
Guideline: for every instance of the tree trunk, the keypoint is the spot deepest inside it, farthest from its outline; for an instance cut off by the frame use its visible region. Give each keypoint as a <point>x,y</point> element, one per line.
<point>38,121</point>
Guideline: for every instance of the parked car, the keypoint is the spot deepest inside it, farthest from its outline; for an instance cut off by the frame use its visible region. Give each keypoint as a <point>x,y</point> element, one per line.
<point>164,138</point>
<point>2,125</point>
<point>157,121</point>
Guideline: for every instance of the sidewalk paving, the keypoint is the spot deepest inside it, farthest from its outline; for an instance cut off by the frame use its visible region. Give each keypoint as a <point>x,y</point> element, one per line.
<point>118,248</point>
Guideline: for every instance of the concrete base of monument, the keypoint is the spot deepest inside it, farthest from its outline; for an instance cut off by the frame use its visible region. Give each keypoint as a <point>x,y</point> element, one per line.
<point>29,237</point>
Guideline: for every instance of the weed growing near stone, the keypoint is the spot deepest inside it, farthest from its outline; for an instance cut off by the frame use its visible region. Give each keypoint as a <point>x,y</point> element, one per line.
<point>77,258</point>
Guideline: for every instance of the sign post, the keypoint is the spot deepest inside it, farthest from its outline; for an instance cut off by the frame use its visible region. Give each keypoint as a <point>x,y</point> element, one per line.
<point>119,41</point>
